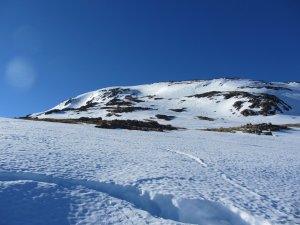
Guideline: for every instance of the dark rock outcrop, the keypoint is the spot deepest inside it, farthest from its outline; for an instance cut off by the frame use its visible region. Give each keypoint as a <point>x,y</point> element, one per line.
<point>259,129</point>
<point>264,104</point>
<point>164,117</point>
<point>134,125</point>
<point>178,110</point>
<point>205,118</point>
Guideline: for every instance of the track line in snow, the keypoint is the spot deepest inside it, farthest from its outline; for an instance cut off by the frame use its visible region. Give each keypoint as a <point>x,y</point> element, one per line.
<point>158,205</point>
<point>229,180</point>
<point>221,173</point>
<point>198,160</point>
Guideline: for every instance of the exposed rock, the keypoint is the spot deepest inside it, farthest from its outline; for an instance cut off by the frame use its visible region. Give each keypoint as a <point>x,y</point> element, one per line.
<point>262,128</point>
<point>89,104</point>
<point>68,102</point>
<point>266,104</point>
<point>128,100</point>
<point>134,125</point>
<point>149,96</point>
<point>125,109</point>
<point>205,118</point>
<point>114,92</point>
<point>112,124</point>
<point>238,105</point>
<point>249,112</point>
<point>178,110</point>
<point>73,121</point>
<point>58,110</point>
<point>133,99</point>
<point>164,117</point>
<point>297,125</point>
<point>277,88</point>
<point>206,94</point>
<point>118,102</point>
<point>89,120</point>
<point>52,111</point>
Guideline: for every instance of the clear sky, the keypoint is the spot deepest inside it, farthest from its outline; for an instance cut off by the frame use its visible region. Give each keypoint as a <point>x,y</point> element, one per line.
<point>51,50</point>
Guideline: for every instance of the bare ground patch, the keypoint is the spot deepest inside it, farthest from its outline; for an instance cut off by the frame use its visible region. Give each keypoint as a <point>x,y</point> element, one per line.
<point>259,129</point>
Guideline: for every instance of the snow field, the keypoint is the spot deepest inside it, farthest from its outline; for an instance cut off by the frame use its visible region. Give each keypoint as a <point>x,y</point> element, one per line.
<point>77,174</point>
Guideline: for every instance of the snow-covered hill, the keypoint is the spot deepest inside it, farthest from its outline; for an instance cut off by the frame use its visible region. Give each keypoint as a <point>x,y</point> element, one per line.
<point>189,104</point>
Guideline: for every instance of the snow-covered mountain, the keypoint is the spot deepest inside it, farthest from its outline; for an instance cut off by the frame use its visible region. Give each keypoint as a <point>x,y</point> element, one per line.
<point>189,104</point>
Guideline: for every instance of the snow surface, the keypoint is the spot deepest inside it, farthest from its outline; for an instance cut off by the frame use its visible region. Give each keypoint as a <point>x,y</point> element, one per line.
<point>174,95</point>
<point>54,173</point>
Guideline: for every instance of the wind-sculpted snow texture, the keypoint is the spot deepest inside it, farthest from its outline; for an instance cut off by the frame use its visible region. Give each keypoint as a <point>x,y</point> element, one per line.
<point>75,174</point>
<point>181,104</point>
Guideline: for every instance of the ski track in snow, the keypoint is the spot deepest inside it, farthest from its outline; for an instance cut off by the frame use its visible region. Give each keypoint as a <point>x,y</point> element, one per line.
<point>221,173</point>
<point>263,198</point>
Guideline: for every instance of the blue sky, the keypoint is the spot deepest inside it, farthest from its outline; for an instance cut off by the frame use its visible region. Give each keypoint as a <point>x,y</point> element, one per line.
<point>53,50</point>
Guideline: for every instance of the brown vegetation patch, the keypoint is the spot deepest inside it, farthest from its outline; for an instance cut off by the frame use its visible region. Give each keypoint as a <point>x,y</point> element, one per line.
<point>297,125</point>
<point>262,128</point>
<point>277,88</point>
<point>87,120</point>
<point>111,124</point>
<point>134,125</point>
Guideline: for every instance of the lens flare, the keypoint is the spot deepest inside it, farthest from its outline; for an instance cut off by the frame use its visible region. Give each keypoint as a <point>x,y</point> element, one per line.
<point>20,73</point>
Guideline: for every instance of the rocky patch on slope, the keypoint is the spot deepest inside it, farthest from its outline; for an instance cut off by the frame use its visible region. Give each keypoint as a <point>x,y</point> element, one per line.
<point>259,129</point>
<point>260,103</point>
<point>134,125</point>
<point>178,110</point>
<point>270,87</point>
<point>127,109</point>
<point>205,118</point>
<point>164,117</point>
<point>112,124</point>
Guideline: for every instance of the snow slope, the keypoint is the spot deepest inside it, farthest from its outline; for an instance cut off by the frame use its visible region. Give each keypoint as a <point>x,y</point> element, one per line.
<point>54,173</point>
<point>226,101</point>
